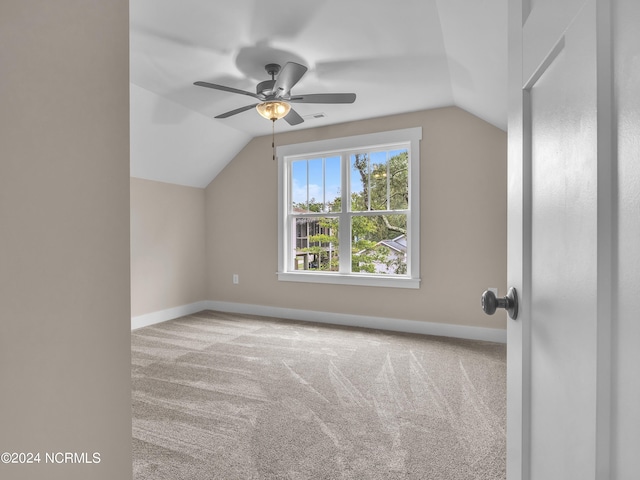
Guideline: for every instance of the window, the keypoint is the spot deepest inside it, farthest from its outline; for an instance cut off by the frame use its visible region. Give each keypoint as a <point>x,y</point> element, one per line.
<point>349,210</point>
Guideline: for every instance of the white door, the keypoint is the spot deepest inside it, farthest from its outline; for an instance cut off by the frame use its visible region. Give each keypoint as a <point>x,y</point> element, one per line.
<point>559,240</point>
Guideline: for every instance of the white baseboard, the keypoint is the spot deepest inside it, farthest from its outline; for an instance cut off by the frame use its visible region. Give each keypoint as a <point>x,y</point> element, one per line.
<point>168,314</point>
<point>392,324</point>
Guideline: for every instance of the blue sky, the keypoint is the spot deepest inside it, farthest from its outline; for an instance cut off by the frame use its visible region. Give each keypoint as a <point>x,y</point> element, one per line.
<point>308,178</point>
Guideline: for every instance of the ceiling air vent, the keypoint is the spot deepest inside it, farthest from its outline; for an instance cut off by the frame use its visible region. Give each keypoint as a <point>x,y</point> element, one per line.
<point>315,116</point>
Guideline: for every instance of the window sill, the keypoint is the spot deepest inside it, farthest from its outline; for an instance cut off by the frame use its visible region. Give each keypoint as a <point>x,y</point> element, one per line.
<point>338,279</point>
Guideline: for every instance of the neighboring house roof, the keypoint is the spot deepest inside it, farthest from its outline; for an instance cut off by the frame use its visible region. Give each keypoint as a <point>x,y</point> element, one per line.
<point>398,244</point>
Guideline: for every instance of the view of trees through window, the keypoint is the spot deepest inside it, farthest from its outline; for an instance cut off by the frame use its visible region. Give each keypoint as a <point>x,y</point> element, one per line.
<point>376,213</point>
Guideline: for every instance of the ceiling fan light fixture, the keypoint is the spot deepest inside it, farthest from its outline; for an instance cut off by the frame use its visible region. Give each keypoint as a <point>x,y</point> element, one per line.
<point>273,110</point>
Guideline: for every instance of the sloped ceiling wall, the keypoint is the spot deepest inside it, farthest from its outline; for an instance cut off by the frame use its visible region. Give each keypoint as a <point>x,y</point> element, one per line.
<point>397,57</point>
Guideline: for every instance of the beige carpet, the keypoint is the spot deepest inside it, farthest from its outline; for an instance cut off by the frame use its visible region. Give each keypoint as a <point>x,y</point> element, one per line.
<point>226,396</point>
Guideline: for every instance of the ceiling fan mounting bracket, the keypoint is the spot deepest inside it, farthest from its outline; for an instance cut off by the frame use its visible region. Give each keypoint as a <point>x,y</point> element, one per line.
<point>272,69</point>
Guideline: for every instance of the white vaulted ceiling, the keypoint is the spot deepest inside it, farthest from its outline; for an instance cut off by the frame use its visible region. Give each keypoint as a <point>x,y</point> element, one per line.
<point>397,56</point>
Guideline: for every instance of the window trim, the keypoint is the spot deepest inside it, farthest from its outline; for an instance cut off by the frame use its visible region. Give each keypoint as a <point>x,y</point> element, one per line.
<point>370,141</point>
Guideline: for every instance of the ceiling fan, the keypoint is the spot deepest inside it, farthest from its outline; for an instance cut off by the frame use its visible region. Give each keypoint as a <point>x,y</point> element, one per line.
<point>275,95</point>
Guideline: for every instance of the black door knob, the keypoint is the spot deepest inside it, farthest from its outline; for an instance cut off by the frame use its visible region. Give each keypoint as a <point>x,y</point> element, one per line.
<point>490,303</point>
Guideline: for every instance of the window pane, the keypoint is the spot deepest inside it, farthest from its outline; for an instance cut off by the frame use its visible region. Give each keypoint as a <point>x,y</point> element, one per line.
<point>316,244</point>
<point>379,244</point>
<point>316,185</point>
<point>380,181</point>
<point>359,182</point>
<point>399,179</point>
<point>299,186</point>
<point>378,191</point>
<point>333,184</point>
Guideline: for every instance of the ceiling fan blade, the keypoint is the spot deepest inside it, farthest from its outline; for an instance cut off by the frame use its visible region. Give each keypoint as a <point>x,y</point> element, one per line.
<point>324,98</point>
<point>227,89</point>
<point>290,74</point>
<point>293,118</point>
<point>237,110</point>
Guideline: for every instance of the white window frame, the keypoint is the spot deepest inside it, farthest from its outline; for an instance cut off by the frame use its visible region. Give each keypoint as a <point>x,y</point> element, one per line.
<point>288,153</point>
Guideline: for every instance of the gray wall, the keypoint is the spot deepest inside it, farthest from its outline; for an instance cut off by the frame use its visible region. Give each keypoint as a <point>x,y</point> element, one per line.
<point>64,236</point>
<point>463,225</point>
<point>463,213</point>
<point>167,246</point>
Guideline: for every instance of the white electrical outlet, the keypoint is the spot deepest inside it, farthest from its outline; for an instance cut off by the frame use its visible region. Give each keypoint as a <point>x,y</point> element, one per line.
<point>236,279</point>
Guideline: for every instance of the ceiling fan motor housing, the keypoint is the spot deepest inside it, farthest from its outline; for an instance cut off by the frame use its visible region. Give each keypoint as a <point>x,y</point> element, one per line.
<point>265,88</point>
